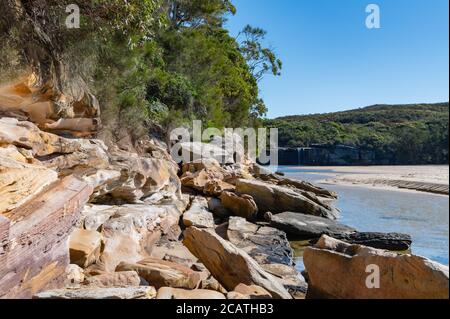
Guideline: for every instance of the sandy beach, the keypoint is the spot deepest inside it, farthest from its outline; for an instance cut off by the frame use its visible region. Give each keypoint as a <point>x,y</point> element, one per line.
<point>433,178</point>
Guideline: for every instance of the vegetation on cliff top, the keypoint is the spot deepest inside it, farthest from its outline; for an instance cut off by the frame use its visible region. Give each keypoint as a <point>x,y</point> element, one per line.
<point>397,134</point>
<point>160,62</point>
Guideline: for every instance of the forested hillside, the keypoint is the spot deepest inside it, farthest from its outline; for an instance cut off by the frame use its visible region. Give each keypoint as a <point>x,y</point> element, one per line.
<point>399,134</point>
<point>158,63</point>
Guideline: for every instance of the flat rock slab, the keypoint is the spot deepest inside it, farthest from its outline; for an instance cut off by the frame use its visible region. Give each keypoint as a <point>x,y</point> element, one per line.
<point>230,265</point>
<point>343,271</point>
<point>307,226</point>
<point>99,293</point>
<point>265,244</point>
<point>301,226</point>
<point>84,247</point>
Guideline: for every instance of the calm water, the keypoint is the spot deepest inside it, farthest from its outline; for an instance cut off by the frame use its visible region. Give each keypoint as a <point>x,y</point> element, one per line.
<point>424,216</point>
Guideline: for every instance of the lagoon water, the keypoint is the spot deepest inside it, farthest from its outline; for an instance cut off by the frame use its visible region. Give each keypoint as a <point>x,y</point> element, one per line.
<point>424,216</point>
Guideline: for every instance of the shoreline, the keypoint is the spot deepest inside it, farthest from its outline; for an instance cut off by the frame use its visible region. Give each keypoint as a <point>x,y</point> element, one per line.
<point>432,179</point>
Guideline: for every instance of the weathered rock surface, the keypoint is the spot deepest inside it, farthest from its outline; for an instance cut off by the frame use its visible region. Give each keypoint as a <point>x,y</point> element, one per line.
<point>301,226</point>
<point>85,246</point>
<point>217,208</point>
<point>249,292</point>
<point>35,252</point>
<point>114,280</point>
<point>161,273</point>
<point>387,241</point>
<point>75,275</point>
<point>278,199</point>
<point>264,244</point>
<point>173,251</point>
<point>20,181</point>
<point>132,230</point>
<point>307,226</point>
<point>339,270</point>
<point>289,277</point>
<point>229,264</point>
<point>217,187</point>
<point>240,205</point>
<point>99,293</point>
<point>175,293</point>
<point>198,215</point>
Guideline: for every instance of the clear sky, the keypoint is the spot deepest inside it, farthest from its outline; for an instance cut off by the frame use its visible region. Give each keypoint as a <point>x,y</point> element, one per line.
<point>333,62</point>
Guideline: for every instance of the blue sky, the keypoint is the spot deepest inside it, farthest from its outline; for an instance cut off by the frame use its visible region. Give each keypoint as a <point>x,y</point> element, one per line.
<point>332,62</point>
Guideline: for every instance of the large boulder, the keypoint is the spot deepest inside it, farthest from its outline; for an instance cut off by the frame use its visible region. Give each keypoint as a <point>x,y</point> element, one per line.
<point>344,271</point>
<point>278,199</point>
<point>198,215</point>
<point>99,293</point>
<point>304,226</point>
<point>132,230</point>
<point>240,205</point>
<point>161,273</point>
<point>85,247</point>
<point>230,265</point>
<point>265,244</point>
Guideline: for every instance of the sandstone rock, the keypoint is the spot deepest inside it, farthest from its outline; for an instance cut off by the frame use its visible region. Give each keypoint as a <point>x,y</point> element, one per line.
<point>36,233</point>
<point>278,199</point>
<point>289,277</point>
<point>75,275</point>
<point>249,292</point>
<point>174,293</point>
<point>228,264</point>
<point>217,187</point>
<point>94,216</point>
<point>27,135</point>
<point>173,251</point>
<point>308,187</point>
<point>20,181</point>
<point>264,244</point>
<point>160,273</point>
<point>99,293</point>
<point>132,230</point>
<point>340,270</point>
<point>212,283</point>
<point>216,207</point>
<point>240,205</point>
<point>308,227</point>
<point>198,215</point>
<point>85,246</point>
<point>116,279</point>
<point>194,151</point>
<point>140,177</point>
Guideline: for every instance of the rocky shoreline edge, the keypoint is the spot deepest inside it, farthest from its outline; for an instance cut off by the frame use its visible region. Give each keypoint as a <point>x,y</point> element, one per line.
<point>81,218</point>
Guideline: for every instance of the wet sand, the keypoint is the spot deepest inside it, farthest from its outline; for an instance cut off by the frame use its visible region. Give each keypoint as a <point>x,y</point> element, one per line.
<point>432,178</point>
